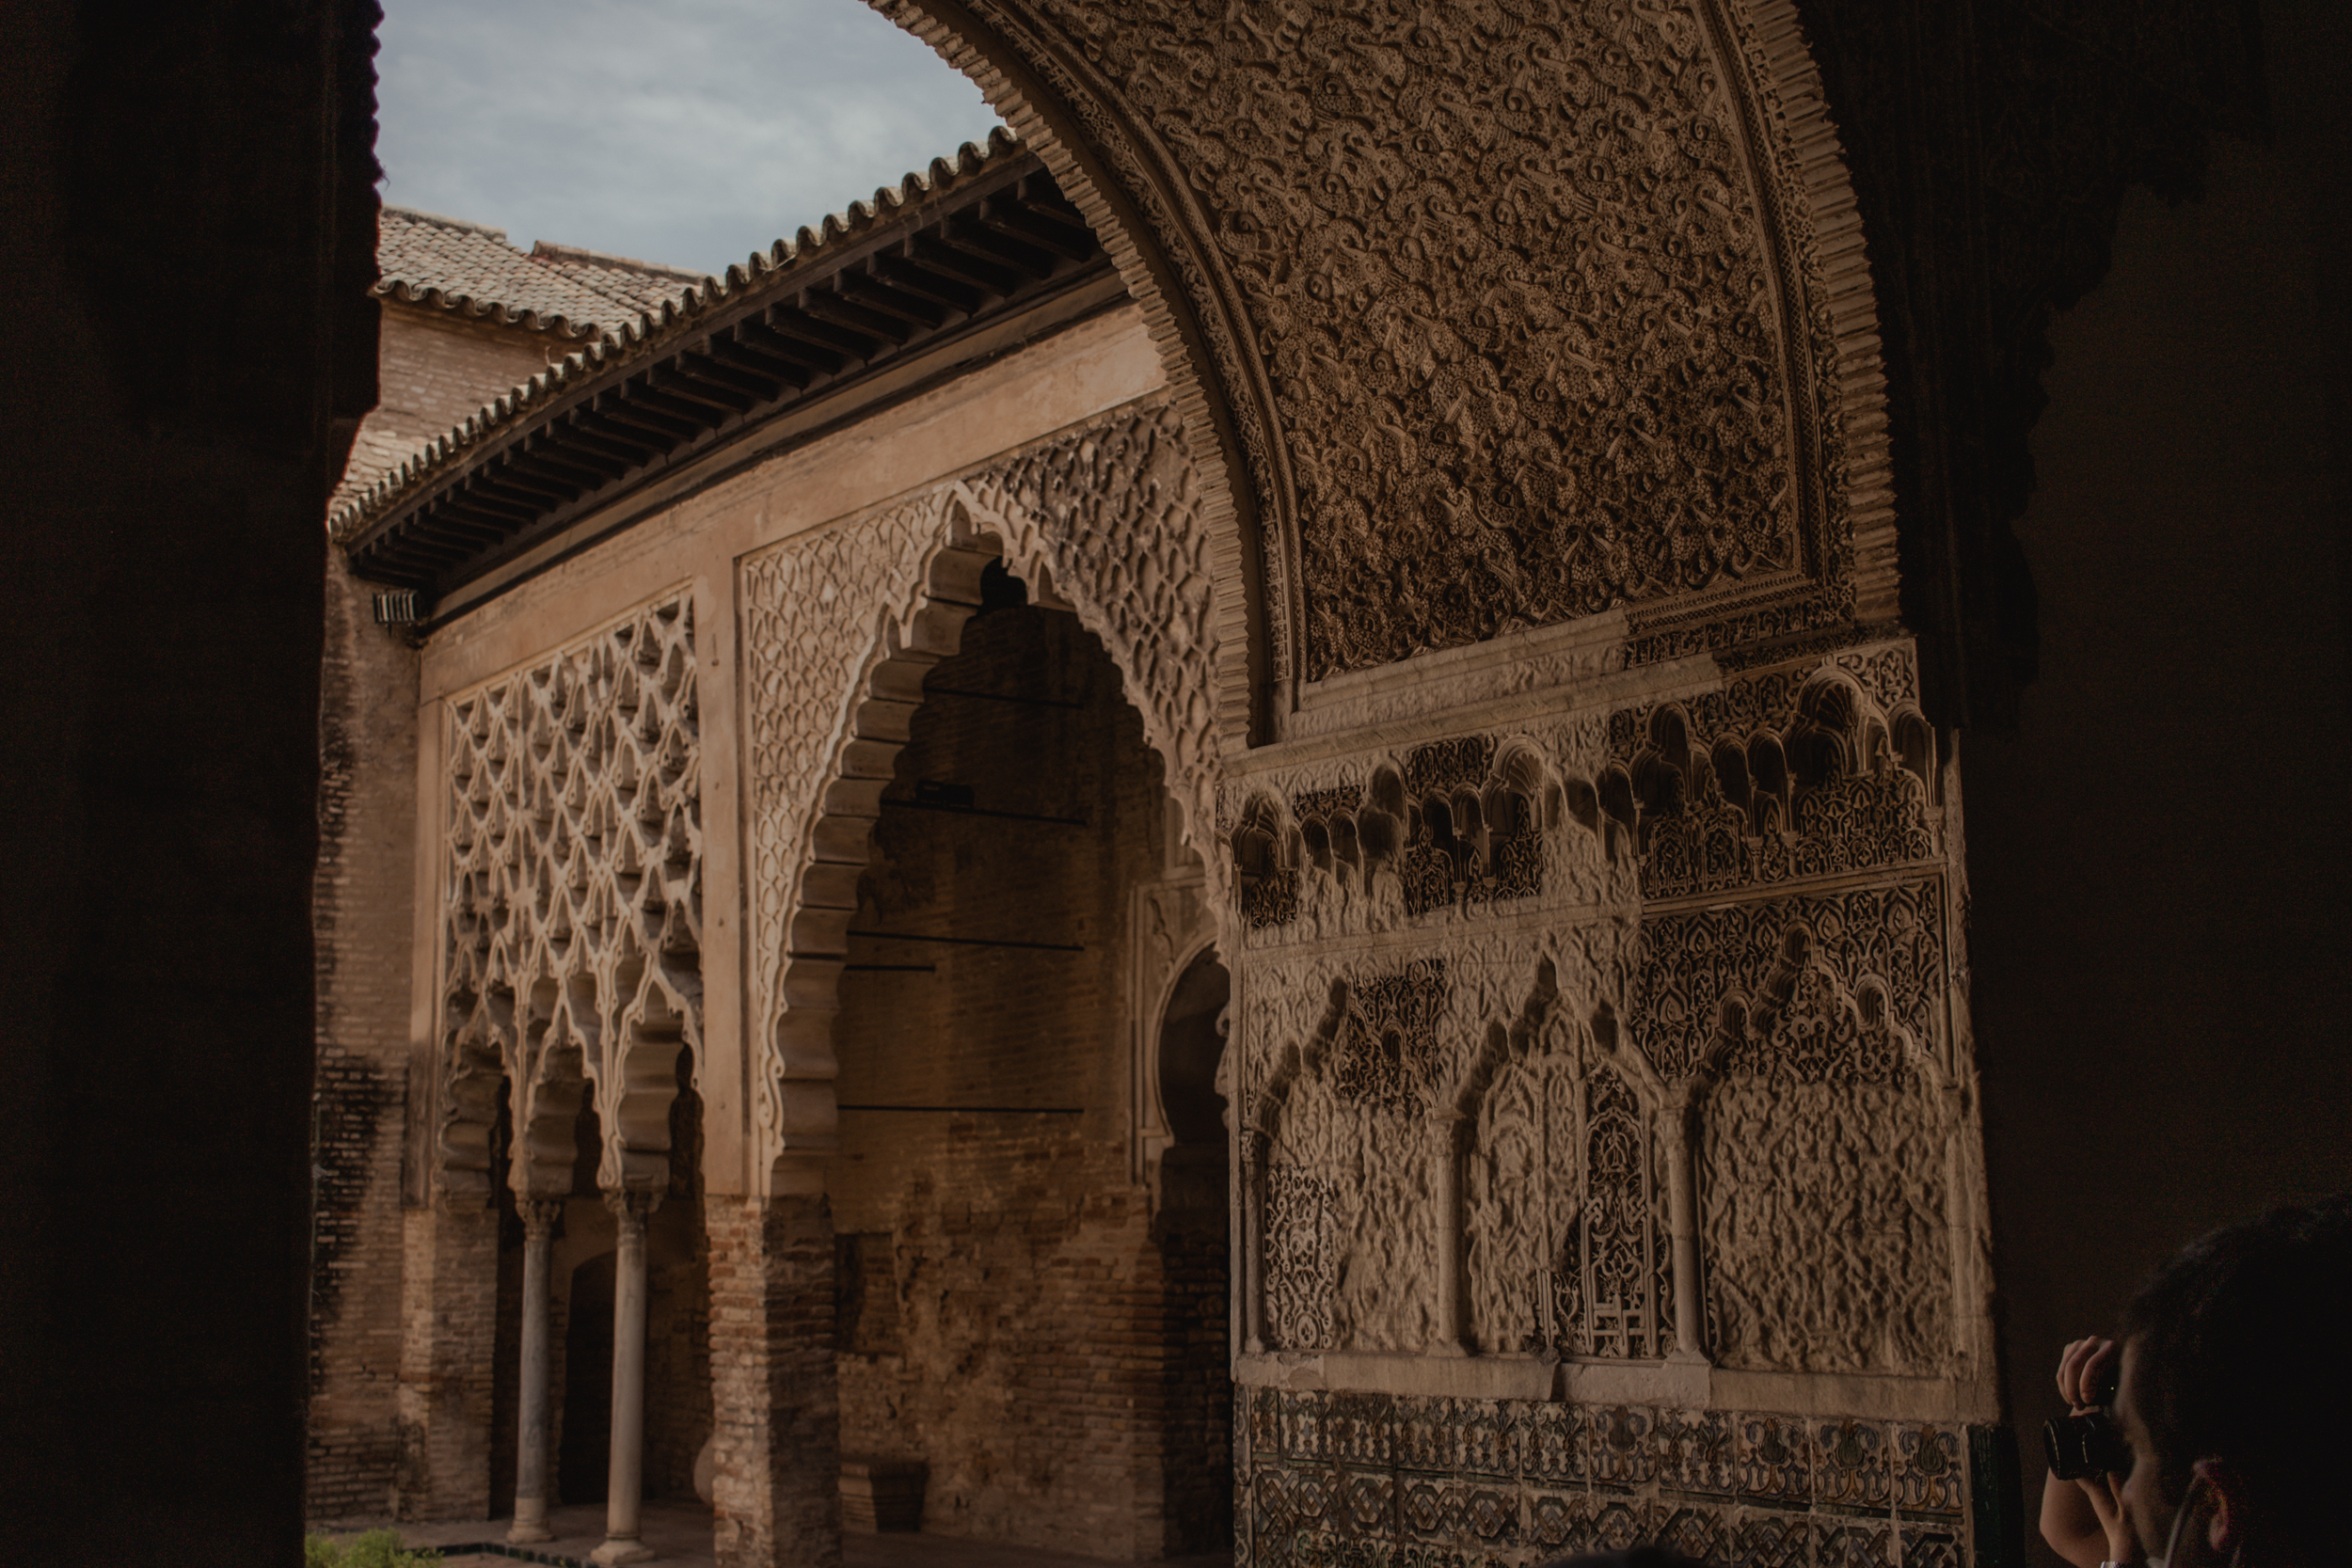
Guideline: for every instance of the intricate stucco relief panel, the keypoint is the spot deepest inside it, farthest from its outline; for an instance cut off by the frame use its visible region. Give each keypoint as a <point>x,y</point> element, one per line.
<point>1827,1145</point>
<point>1705,987</point>
<point>816,610</point>
<point>1782,777</point>
<point>1827,1224</point>
<point>1563,1198</point>
<point>1769,1063</point>
<point>1520,311</point>
<point>1507,274</point>
<point>1362,1068</point>
<point>1441,837</point>
<point>572,900</point>
<point>840,623</point>
<point>1109,519</point>
<point>1808,1039</point>
<point>1518,1203</point>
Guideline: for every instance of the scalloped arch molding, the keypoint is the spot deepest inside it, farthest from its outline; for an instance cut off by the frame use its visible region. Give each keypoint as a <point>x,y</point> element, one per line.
<point>1480,317</point>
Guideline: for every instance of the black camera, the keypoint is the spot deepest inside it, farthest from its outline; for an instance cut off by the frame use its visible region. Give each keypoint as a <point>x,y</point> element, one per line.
<point>2085,1445</point>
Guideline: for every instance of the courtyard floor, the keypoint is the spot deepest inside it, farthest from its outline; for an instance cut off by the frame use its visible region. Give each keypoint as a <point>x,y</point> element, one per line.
<point>681,1534</point>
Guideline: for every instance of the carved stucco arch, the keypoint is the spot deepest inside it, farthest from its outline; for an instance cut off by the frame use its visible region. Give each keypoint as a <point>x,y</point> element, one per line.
<point>547,1101</point>
<point>1296,1059</point>
<point>1153,1017</point>
<point>1141,110</point>
<point>842,627</point>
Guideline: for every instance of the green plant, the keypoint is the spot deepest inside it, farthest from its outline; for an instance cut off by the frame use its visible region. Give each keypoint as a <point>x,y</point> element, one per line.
<point>378,1549</point>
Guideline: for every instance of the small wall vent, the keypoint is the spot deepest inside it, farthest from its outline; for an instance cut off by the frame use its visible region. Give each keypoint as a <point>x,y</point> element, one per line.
<point>403,608</point>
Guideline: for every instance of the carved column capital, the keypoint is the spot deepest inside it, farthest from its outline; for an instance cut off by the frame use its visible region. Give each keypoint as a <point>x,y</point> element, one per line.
<point>1677,1121</point>
<point>632,1207</point>
<point>539,1214</point>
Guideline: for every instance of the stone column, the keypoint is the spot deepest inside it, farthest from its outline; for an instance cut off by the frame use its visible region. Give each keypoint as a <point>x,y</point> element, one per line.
<point>623,1510</point>
<point>1253,1156</point>
<point>776,1491</point>
<point>1445,1155</point>
<point>532,1492</point>
<point>1682,1225</point>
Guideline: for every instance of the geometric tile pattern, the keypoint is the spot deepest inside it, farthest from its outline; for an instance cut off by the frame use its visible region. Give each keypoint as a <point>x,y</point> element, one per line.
<point>1379,1481</point>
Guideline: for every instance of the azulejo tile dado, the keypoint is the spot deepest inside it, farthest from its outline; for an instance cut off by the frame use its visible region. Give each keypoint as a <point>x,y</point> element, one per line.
<point>1372,1480</point>
<point>1930,1478</point>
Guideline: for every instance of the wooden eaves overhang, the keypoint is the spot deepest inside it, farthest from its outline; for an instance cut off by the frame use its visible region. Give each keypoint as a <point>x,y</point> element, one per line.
<point>837,312</point>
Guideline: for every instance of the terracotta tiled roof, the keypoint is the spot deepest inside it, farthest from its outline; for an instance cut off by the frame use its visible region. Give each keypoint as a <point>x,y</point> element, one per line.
<point>676,313</point>
<point>468,269</point>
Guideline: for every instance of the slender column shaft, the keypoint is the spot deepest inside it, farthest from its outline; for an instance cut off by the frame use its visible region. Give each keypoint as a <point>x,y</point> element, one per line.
<point>532,1492</point>
<point>1254,1153</point>
<point>1683,1224</point>
<point>623,1509</point>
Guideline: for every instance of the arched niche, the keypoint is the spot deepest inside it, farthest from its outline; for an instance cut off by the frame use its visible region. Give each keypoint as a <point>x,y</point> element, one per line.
<point>1186,1071</point>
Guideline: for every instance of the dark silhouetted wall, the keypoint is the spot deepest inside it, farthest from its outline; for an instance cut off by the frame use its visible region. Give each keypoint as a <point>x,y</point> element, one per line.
<point>186,252</point>
<point>2158,853</point>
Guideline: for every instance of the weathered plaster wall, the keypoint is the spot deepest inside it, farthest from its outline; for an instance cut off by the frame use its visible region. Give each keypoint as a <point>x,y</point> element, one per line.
<point>2159,981</point>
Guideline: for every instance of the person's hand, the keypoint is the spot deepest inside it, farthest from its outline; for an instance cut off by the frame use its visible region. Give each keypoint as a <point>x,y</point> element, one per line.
<point>2086,1381</point>
<point>2085,1374</point>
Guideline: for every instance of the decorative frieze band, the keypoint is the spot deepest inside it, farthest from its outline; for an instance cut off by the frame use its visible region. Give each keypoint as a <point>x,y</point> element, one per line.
<point>1397,1480</point>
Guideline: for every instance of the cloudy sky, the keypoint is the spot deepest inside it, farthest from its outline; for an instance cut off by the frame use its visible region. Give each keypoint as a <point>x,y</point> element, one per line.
<point>690,132</point>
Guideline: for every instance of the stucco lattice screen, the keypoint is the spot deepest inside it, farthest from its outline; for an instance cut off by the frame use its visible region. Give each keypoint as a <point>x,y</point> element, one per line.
<point>572,913</point>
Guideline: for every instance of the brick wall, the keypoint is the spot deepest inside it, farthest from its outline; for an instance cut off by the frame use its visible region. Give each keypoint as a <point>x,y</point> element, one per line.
<point>361,915</point>
<point>772,1377</point>
<point>1042,1338</point>
<point>677,1352</point>
<point>1197,1413</point>
<point>433,371</point>
<point>449,1310</point>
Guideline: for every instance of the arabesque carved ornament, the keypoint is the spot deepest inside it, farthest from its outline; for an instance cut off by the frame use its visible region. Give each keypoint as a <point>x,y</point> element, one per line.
<point>572,914</point>
<point>1516,305</point>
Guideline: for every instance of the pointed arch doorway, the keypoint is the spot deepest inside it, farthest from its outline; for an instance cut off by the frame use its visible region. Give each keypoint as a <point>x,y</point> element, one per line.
<point>1018,1320</point>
